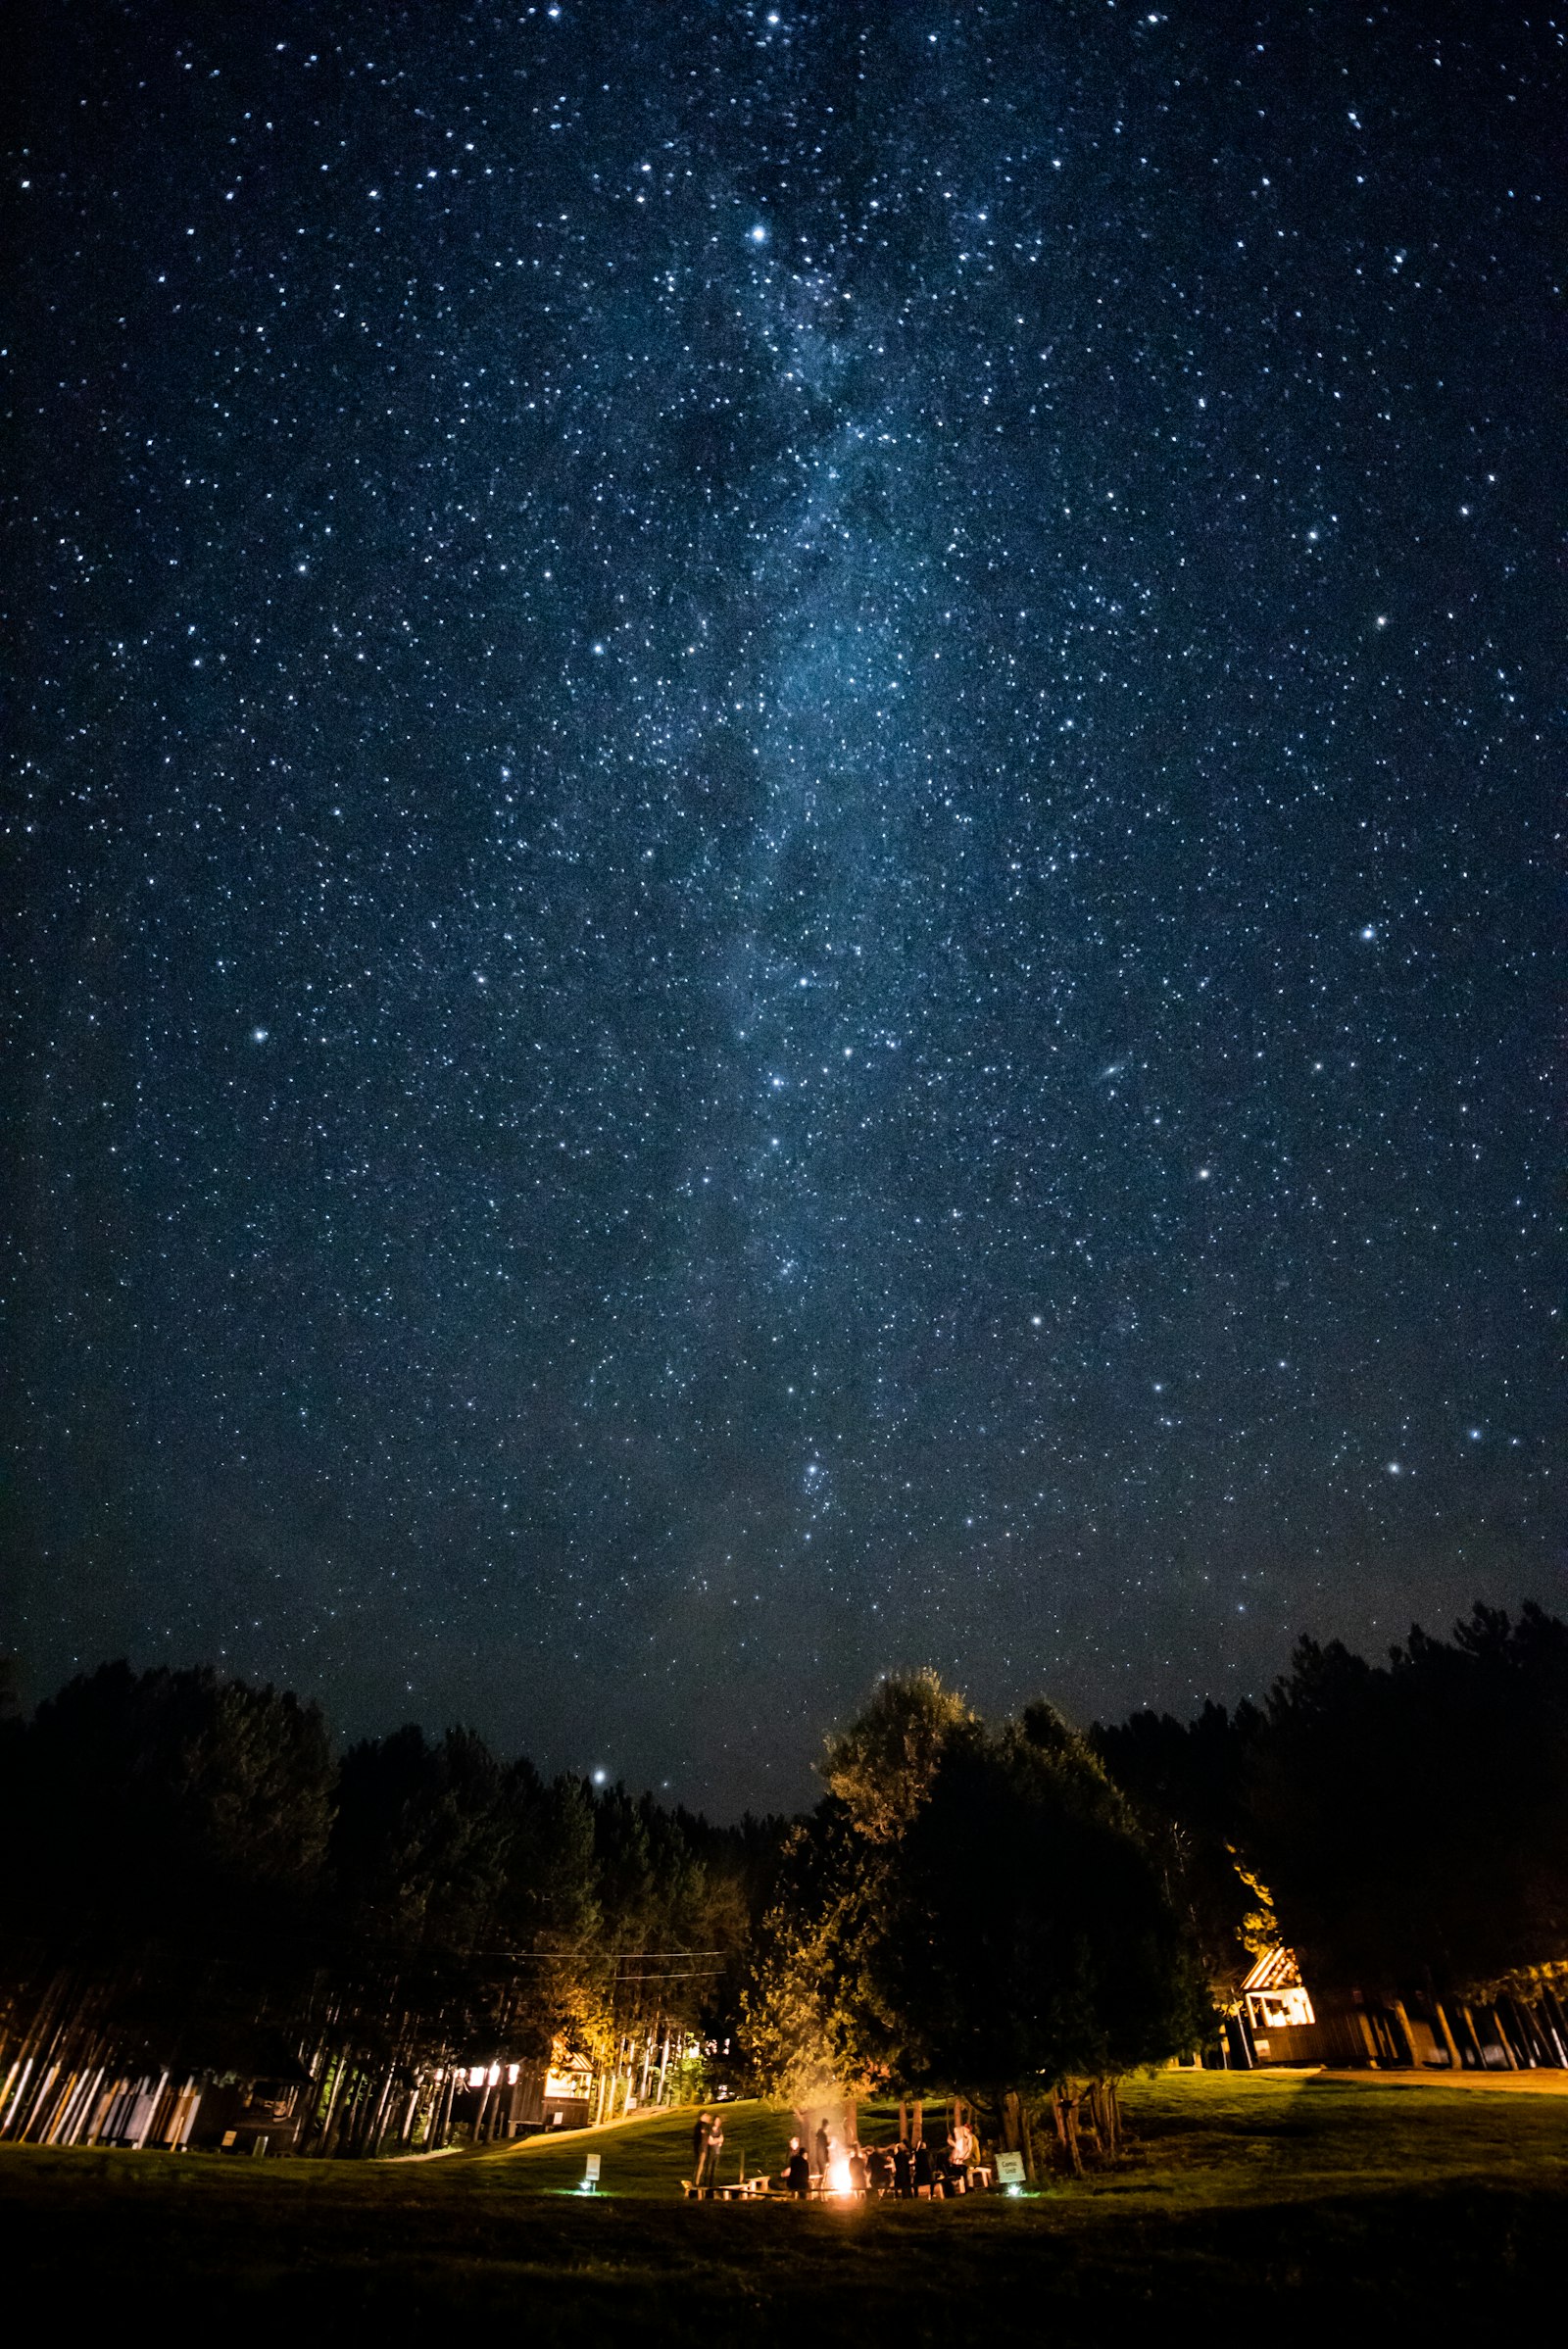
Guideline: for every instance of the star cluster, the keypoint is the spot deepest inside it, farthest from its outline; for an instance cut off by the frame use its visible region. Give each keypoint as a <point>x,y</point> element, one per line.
<point>784,819</point>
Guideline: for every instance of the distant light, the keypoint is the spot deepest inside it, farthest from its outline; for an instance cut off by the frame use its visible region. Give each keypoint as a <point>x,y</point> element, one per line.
<point>758,235</point>
<point>1369,933</point>
<point>601,1778</point>
<point>258,1035</point>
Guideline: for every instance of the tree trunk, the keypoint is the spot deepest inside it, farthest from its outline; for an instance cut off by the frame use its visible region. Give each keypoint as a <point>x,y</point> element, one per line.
<point>1106,2107</point>
<point>1448,2040</point>
<point>1556,2021</point>
<point>1067,2111</point>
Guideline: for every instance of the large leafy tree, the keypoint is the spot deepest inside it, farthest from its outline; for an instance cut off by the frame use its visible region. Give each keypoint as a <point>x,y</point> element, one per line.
<point>1019,1934</point>
<point>169,1836</point>
<point>165,1794</point>
<point>985,1919</point>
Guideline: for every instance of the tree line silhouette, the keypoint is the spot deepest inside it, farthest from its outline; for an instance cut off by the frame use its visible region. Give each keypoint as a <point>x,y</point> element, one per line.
<point>203,1894</point>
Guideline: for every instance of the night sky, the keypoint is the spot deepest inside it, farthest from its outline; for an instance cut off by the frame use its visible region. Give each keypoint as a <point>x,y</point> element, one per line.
<point>784,821</point>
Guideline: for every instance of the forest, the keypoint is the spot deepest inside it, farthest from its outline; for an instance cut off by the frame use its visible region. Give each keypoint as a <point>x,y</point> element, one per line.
<point>220,1927</point>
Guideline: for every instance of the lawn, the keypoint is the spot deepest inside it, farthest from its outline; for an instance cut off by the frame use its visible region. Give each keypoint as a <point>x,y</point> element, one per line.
<point>1267,2200</point>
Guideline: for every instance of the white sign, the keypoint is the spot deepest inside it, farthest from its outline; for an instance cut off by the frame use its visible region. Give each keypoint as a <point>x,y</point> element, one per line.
<point>1010,2169</point>
<point>590,2173</point>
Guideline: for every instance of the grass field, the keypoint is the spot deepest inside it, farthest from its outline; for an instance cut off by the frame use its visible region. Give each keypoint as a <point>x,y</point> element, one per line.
<point>1269,2199</point>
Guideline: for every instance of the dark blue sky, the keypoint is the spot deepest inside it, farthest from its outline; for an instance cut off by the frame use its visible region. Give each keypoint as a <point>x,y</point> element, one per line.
<point>785,837</point>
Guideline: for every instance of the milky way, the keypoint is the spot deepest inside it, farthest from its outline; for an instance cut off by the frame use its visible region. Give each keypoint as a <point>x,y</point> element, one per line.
<point>786,783</point>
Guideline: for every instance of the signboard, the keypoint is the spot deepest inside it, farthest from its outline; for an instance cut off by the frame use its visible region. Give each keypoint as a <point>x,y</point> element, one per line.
<point>1010,2169</point>
<point>590,2175</point>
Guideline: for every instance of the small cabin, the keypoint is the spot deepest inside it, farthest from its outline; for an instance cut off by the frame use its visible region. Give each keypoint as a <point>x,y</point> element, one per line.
<point>1281,2021</point>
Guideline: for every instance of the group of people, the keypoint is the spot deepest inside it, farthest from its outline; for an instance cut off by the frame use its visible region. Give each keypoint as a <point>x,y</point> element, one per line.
<point>908,2173</point>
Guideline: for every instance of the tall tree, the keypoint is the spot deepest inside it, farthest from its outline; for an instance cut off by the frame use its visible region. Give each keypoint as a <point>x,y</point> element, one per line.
<point>1413,1818</point>
<point>992,1922</point>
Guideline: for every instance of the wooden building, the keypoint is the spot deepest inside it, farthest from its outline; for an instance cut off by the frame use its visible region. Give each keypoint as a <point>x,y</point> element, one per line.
<point>1405,2028</point>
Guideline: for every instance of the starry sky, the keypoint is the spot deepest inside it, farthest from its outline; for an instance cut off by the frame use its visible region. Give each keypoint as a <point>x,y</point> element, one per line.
<point>782,834</point>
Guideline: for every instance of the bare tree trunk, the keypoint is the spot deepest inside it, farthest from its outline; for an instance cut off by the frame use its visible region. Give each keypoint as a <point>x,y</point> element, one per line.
<point>485,2104</point>
<point>444,2107</point>
<point>323,2127</point>
<point>382,2101</point>
<point>1448,2040</point>
<point>37,2038</point>
<point>1066,2110</point>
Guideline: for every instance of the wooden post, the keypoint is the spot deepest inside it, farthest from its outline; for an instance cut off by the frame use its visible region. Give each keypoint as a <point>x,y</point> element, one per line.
<point>904,2120</point>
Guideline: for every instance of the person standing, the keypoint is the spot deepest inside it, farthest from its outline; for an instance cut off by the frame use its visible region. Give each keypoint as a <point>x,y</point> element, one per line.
<point>699,2147</point>
<point>902,2174</point>
<point>822,2148</point>
<point>707,2177</point>
<point>798,2171</point>
<point>960,2153</point>
<point>923,2174</point>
